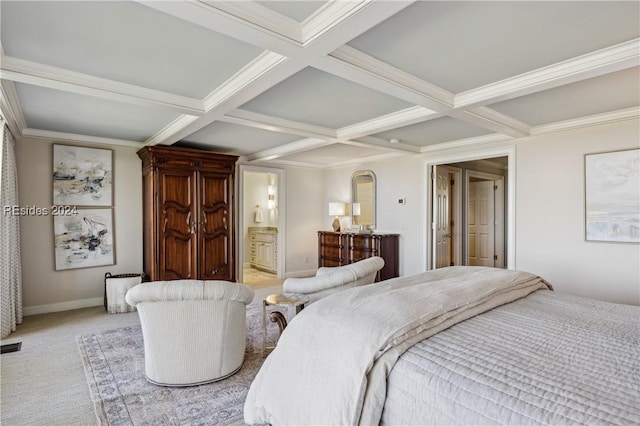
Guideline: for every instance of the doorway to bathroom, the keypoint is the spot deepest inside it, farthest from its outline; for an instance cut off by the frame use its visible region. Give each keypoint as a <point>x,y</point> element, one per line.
<point>261,226</point>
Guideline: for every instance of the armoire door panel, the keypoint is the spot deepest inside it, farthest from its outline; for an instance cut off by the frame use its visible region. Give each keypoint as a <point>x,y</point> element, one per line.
<point>176,260</point>
<point>215,226</point>
<point>215,259</point>
<point>177,235</point>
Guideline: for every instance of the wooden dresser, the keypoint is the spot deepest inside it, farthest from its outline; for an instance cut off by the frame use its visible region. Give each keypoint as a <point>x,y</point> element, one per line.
<point>341,248</point>
<point>188,229</point>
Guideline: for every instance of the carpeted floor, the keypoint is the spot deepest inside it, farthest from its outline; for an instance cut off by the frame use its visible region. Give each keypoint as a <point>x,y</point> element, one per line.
<point>114,366</point>
<point>45,383</point>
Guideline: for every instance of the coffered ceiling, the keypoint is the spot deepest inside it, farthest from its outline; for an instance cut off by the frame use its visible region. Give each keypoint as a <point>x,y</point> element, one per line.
<point>313,83</point>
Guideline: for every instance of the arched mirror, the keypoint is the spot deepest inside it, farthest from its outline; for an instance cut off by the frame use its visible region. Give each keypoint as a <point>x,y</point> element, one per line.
<point>363,199</point>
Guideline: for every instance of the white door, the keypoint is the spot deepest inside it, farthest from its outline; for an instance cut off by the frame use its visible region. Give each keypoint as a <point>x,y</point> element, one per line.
<point>441,218</point>
<point>481,223</point>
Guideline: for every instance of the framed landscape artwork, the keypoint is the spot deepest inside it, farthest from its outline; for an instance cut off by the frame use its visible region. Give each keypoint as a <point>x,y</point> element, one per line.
<point>84,239</point>
<point>82,176</point>
<point>612,196</point>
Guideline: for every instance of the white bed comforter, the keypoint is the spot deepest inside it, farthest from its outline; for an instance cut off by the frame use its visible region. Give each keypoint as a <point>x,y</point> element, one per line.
<point>331,363</point>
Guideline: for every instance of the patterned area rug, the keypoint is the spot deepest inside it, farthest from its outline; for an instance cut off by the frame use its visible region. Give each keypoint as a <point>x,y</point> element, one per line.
<point>114,366</point>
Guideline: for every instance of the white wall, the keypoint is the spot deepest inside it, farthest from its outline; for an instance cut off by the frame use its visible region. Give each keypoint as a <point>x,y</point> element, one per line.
<point>550,215</point>
<point>44,289</point>
<point>549,211</point>
<point>305,212</point>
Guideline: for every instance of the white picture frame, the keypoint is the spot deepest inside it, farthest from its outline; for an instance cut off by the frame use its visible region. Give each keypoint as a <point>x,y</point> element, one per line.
<point>612,196</point>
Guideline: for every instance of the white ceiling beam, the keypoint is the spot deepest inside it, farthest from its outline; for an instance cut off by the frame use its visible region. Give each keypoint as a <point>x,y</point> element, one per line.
<point>261,65</point>
<point>290,148</point>
<point>267,122</point>
<point>492,120</point>
<point>345,29</point>
<point>256,14</point>
<point>356,66</point>
<point>405,117</point>
<point>22,71</point>
<point>170,130</point>
<point>615,58</point>
<point>222,22</point>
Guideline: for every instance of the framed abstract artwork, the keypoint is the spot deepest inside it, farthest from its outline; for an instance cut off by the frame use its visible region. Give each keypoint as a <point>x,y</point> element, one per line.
<point>82,176</point>
<point>84,239</point>
<point>612,196</point>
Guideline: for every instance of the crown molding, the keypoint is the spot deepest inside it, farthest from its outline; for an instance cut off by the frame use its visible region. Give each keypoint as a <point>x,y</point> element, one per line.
<point>243,78</point>
<point>22,71</point>
<point>380,143</point>
<point>592,120</point>
<point>603,61</point>
<point>476,141</point>
<point>369,159</point>
<point>402,118</point>
<point>73,137</point>
<point>10,105</point>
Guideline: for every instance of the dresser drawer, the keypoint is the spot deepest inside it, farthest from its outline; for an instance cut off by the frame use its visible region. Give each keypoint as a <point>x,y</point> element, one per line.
<point>331,252</point>
<point>356,255</point>
<point>359,242</point>
<point>331,240</point>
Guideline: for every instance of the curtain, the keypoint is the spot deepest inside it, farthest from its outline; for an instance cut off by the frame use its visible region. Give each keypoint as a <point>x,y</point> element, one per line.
<point>10,269</point>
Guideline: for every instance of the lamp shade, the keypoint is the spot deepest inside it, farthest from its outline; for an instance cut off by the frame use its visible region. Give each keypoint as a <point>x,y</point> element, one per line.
<point>336,209</point>
<point>355,209</point>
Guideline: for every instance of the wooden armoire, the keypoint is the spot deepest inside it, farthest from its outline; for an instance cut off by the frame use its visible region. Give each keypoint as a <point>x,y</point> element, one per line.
<point>188,214</point>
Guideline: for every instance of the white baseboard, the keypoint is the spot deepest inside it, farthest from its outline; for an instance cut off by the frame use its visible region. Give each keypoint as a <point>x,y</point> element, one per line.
<point>62,306</point>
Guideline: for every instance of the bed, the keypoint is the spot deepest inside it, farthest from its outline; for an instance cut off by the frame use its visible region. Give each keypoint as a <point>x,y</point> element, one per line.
<point>460,345</point>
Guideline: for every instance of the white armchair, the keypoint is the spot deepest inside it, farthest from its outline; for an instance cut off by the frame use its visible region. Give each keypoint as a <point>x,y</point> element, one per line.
<point>329,280</point>
<point>194,331</point>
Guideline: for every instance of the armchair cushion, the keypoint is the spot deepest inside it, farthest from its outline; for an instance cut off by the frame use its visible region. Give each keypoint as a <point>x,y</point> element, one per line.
<point>330,280</point>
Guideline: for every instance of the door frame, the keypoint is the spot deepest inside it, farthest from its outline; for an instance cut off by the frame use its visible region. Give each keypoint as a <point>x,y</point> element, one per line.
<point>471,155</point>
<point>281,173</point>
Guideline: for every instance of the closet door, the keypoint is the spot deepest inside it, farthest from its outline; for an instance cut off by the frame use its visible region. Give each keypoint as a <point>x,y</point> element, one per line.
<point>216,227</point>
<point>177,224</point>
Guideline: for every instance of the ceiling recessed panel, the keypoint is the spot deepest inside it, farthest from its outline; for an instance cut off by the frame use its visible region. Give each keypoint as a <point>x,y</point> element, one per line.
<point>334,154</point>
<point>463,45</point>
<point>611,92</point>
<point>315,97</point>
<point>122,41</point>
<point>434,131</point>
<point>236,139</point>
<point>296,10</point>
<point>53,110</point>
